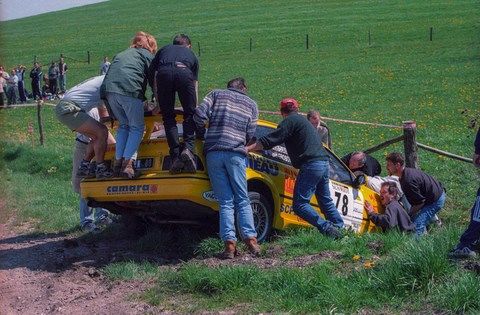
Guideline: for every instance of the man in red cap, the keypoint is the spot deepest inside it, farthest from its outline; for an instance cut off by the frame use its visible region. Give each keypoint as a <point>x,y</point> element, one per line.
<point>308,155</point>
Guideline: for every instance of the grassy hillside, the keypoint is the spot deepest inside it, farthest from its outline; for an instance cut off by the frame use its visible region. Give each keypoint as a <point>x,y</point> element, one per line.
<point>401,75</point>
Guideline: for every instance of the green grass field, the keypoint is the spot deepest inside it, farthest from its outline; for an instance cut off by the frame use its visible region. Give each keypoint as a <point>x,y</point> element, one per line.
<point>401,75</point>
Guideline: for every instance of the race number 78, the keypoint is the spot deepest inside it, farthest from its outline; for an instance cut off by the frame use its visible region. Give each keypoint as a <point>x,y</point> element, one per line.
<point>344,199</point>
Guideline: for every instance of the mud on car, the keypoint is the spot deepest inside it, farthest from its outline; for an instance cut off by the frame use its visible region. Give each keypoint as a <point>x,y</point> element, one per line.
<point>161,197</point>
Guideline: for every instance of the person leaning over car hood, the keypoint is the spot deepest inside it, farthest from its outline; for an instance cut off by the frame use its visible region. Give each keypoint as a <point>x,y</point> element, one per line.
<point>307,154</point>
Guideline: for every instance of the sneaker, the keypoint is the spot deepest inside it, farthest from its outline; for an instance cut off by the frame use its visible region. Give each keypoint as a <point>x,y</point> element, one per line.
<point>90,227</point>
<point>177,166</point>
<point>92,170</point>
<point>333,232</point>
<point>103,171</point>
<point>83,169</point>
<point>189,159</point>
<point>104,221</point>
<point>462,253</point>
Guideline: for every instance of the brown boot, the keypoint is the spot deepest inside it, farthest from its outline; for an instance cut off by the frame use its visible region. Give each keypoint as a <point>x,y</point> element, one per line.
<point>117,167</point>
<point>128,171</point>
<point>230,250</point>
<point>253,246</point>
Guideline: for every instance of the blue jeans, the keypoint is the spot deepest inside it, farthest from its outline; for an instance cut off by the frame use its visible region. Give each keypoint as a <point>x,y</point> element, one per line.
<point>88,215</point>
<point>129,112</point>
<point>313,178</point>
<point>426,214</point>
<point>228,177</point>
<point>62,81</point>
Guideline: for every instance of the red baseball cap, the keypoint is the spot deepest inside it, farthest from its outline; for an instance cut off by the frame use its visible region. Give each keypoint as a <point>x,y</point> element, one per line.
<point>289,101</point>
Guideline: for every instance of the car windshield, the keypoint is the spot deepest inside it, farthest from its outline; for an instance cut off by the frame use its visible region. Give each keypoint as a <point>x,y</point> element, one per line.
<point>338,172</point>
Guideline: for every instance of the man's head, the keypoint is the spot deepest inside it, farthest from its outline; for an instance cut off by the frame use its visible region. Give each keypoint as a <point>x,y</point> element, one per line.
<point>357,161</point>
<point>182,40</point>
<point>238,84</point>
<point>288,105</point>
<point>388,192</point>
<point>61,60</point>
<point>36,64</point>
<point>313,117</point>
<point>105,59</point>
<point>144,40</point>
<point>395,163</point>
<point>53,63</point>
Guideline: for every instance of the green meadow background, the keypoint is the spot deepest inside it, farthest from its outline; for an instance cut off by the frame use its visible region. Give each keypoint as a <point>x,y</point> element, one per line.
<point>397,75</point>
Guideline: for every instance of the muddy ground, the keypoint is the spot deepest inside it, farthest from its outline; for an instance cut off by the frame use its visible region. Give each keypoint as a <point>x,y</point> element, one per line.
<point>61,273</point>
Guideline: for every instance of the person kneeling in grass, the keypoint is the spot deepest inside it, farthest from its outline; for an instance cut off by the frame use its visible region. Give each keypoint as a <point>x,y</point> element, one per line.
<point>395,215</point>
<point>72,111</point>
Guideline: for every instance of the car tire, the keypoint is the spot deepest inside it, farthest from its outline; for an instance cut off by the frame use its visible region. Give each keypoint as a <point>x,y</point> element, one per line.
<point>262,216</point>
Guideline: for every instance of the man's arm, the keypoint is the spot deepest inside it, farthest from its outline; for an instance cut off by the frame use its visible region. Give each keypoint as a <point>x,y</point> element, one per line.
<point>202,115</point>
<point>382,220</point>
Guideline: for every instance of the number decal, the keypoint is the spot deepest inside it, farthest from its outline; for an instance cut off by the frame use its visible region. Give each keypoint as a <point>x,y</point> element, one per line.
<point>338,196</point>
<point>345,205</point>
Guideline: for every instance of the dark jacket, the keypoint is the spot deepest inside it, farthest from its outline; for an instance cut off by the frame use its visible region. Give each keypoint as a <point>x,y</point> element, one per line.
<point>395,216</point>
<point>301,140</point>
<point>127,74</point>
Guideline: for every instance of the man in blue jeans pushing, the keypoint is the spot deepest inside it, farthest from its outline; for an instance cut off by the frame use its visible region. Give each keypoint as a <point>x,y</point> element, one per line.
<point>308,155</point>
<point>232,119</point>
<point>425,194</point>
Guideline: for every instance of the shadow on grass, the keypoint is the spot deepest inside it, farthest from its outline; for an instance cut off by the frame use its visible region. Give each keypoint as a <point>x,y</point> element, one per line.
<point>56,252</point>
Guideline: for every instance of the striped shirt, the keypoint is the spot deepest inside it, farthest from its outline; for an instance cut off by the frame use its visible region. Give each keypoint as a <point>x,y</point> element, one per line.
<point>232,119</point>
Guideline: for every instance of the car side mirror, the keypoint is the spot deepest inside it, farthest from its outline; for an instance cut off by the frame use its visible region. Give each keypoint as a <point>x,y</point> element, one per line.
<point>359,181</point>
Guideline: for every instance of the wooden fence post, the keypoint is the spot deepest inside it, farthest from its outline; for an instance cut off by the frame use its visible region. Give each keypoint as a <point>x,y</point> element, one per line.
<point>199,51</point>
<point>431,33</point>
<point>250,44</point>
<point>88,56</point>
<point>40,123</point>
<point>410,144</point>
<point>306,41</point>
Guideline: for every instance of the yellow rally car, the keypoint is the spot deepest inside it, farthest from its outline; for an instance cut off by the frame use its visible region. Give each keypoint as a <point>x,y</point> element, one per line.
<point>161,197</point>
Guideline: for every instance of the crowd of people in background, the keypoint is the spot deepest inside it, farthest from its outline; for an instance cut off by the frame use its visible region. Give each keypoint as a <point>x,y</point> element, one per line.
<point>50,85</point>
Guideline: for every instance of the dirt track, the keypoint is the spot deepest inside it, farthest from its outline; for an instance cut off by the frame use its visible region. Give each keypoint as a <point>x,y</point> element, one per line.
<point>52,273</point>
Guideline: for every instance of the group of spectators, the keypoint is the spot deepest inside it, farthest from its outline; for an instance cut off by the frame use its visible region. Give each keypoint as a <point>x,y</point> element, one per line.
<point>226,120</point>
<point>49,85</point>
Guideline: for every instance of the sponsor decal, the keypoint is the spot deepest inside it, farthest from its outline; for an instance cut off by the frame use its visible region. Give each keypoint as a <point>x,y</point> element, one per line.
<point>209,195</point>
<point>131,189</point>
<point>289,184</point>
<point>263,165</point>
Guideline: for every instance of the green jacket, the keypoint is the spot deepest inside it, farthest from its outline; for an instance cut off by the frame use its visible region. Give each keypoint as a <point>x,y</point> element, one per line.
<point>127,74</point>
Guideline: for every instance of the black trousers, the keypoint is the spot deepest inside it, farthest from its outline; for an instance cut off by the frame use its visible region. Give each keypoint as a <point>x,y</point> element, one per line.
<point>171,80</point>
<point>21,92</point>
<point>53,86</point>
<point>472,233</point>
<point>36,90</point>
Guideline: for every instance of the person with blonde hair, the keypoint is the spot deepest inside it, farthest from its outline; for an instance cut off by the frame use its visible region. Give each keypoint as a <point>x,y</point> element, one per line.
<point>124,90</point>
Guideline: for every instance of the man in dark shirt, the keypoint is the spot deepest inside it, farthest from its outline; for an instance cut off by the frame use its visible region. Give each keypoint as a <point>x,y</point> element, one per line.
<point>395,215</point>
<point>360,161</point>
<point>425,194</point>
<point>464,248</point>
<point>307,154</point>
<point>175,69</point>
<point>36,75</point>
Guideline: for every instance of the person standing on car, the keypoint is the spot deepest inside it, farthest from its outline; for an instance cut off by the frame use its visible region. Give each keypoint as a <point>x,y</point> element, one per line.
<point>175,69</point>
<point>465,248</point>
<point>232,119</point>
<point>124,88</point>
<point>309,156</point>
<point>72,111</point>
<point>425,194</point>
